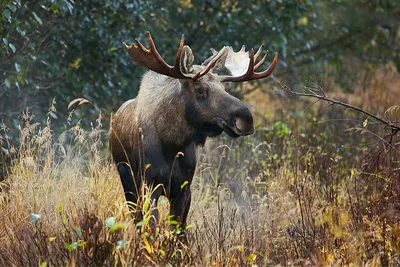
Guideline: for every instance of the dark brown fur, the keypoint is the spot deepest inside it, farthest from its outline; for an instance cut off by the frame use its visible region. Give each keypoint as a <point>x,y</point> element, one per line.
<point>163,126</point>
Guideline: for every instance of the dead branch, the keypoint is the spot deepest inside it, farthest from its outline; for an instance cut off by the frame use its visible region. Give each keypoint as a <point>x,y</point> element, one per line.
<point>319,94</point>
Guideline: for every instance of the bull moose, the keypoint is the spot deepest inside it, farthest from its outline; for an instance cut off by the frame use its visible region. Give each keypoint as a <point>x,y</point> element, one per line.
<point>153,138</point>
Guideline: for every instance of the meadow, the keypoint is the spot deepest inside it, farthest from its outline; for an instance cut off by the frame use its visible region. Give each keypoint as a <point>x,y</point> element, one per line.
<point>308,189</point>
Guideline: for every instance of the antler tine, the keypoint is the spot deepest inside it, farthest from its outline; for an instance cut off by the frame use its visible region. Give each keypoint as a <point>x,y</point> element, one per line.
<point>251,73</point>
<point>259,51</point>
<point>209,66</point>
<point>178,54</point>
<point>251,63</point>
<point>151,59</point>
<point>154,51</point>
<point>269,70</point>
<point>259,64</point>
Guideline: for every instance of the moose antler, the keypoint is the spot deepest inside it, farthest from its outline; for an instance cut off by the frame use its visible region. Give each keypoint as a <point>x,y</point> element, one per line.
<point>151,59</point>
<point>237,62</point>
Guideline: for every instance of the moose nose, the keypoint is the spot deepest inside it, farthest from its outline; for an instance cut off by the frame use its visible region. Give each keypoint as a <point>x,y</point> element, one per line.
<point>244,121</point>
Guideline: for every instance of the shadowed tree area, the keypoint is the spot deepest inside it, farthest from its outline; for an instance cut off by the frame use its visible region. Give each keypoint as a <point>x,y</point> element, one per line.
<point>63,49</point>
<point>317,184</point>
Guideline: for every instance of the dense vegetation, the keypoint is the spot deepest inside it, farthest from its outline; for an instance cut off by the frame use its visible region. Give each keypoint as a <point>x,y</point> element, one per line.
<point>317,184</point>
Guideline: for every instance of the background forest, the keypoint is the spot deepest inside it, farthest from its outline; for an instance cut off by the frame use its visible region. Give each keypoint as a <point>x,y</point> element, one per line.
<point>317,184</point>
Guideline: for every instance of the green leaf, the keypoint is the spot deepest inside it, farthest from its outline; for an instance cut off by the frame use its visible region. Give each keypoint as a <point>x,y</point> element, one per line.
<point>12,47</point>
<point>146,205</point>
<point>112,49</point>
<point>7,14</point>
<point>17,67</point>
<point>20,31</point>
<point>141,223</point>
<point>52,238</point>
<point>7,83</point>
<point>43,264</point>
<point>184,184</point>
<point>71,246</point>
<point>117,227</point>
<point>120,244</point>
<point>78,231</point>
<point>110,222</point>
<point>12,7</point>
<point>34,217</point>
<point>37,18</point>
<point>173,222</point>
<point>81,243</point>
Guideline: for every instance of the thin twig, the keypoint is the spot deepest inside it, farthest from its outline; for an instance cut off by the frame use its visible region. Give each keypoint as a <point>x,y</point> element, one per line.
<point>290,92</point>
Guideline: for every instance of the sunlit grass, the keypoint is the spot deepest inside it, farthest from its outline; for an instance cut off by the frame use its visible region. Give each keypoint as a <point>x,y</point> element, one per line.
<point>63,204</point>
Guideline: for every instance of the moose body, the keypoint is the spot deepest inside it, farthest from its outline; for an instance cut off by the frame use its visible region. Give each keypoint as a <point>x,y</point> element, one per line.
<point>153,138</point>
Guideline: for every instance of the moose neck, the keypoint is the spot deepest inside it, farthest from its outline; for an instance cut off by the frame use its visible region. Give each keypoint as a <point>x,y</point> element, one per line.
<point>161,105</point>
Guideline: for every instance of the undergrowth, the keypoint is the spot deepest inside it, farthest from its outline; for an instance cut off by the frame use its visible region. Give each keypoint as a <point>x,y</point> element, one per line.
<point>296,193</point>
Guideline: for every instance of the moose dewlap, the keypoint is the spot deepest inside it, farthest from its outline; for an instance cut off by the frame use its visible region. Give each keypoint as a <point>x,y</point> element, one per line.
<point>153,138</point>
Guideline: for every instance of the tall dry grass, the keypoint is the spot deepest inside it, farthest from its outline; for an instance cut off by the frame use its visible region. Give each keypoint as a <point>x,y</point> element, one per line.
<point>293,194</point>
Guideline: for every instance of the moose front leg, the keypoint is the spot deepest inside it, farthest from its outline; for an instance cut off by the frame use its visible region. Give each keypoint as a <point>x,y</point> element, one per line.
<point>131,187</point>
<point>180,206</point>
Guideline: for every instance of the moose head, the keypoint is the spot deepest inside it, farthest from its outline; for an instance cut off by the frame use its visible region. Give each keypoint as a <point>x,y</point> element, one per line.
<point>208,107</point>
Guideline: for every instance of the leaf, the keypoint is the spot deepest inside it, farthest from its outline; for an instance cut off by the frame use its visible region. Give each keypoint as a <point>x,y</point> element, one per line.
<point>184,184</point>
<point>43,264</point>
<point>34,217</point>
<point>5,41</point>
<point>17,67</point>
<point>78,231</point>
<point>303,21</point>
<point>112,49</point>
<point>20,31</point>
<point>81,243</point>
<point>116,227</point>
<point>52,238</point>
<point>141,223</point>
<point>7,14</point>
<point>251,258</point>
<point>76,63</point>
<point>12,7</point>
<point>120,244</point>
<point>146,205</point>
<point>110,222</point>
<point>80,101</point>
<point>365,123</point>
<point>147,246</point>
<point>37,18</point>
<point>7,83</point>
<point>173,222</point>
<point>71,246</point>
<point>12,47</point>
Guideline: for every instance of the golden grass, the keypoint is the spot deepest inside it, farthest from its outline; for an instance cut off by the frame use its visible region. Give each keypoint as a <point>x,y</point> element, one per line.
<point>247,208</point>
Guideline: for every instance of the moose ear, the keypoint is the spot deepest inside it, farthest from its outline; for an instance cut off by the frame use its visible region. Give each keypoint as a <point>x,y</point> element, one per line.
<point>186,60</point>
<point>220,64</point>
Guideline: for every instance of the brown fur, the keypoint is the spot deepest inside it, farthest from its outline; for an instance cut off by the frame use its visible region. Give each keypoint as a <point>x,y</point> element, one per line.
<point>167,117</point>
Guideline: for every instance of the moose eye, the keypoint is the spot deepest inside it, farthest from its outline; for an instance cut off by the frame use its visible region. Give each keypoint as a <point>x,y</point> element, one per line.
<point>200,91</point>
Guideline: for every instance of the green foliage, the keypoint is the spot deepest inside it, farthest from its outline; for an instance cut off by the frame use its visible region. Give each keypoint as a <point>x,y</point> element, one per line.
<point>67,49</point>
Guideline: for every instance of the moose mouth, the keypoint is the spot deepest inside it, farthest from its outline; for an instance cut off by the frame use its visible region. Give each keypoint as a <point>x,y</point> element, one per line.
<point>231,131</point>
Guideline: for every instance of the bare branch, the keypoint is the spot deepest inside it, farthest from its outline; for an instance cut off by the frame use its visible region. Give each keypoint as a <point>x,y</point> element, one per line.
<point>322,96</point>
